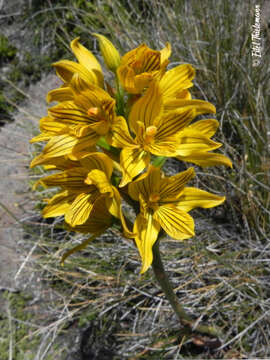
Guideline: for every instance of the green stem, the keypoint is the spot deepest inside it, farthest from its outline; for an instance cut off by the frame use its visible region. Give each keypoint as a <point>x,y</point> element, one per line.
<point>120,106</point>
<point>166,286</point>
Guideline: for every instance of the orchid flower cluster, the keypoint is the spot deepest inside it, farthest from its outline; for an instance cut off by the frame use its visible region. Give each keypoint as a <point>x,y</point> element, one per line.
<point>107,143</point>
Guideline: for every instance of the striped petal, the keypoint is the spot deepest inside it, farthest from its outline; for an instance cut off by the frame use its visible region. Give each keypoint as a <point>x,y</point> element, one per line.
<point>121,137</point>
<point>147,108</point>
<point>192,198</point>
<point>149,182</point>
<point>201,106</point>
<point>61,94</point>
<point>59,204</point>
<point>133,162</point>
<point>99,220</point>
<point>99,179</point>
<point>80,209</point>
<point>51,126</point>
<point>147,230</point>
<point>72,179</point>
<point>70,113</point>
<point>65,69</point>
<point>98,161</point>
<point>142,81</point>
<point>63,145</point>
<point>192,141</point>
<point>176,80</point>
<point>207,127</point>
<point>174,121</point>
<point>87,59</point>
<point>205,159</point>
<point>172,187</point>
<point>126,76</point>
<point>177,223</point>
<point>167,147</point>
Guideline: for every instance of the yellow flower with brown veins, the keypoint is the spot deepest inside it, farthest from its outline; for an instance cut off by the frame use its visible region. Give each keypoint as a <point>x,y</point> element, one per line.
<point>165,203</point>
<point>156,132</point>
<point>75,125</point>
<point>139,66</point>
<point>81,187</point>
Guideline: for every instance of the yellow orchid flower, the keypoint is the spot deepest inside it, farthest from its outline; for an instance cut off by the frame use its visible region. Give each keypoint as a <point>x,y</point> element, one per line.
<point>165,203</point>
<point>157,132</point>
<point>81,187</point>
<point>87,67</point>
<point>139,66</point>
<point>75,125</point>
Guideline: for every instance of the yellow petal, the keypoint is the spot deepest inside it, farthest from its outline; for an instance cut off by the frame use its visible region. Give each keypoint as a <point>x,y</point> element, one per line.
<point>121,137</point>
<point>176,80</point>
<point>99,220</point>
<point>87,59</point>
<point>98,161</point>
<point>165,53</point>
<point>192,198</point>
<point>192,141</point>
<point>184,95</point>
<point>126,77</point>
<point>206,127</point>
<point>133,162</point>
<point>174,121</point>
<point>63,145</point>
<point>80,209</point>
<point>61,163</point>
<point>113,204</point>
<point>142,81</point>
<point>59,204</point>
<point>65,69</point>
<point>201,106</point>
<point>177,223</point>
<point>205,159</point>
<point>172,187</point>
<point>41,137</point>
<point>72,179</point>
<point>57,146</point>
<point>99,179</point>
<point>163,147</point>
<point>147,230</point>
<point>70,113</point>
<point>147,108</point>
<point>61,94</point>
<point>110,55</point>
<point>51,126</point>
<point>146,184</point>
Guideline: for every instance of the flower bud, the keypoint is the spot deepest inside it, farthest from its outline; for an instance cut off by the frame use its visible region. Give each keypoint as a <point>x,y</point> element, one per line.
<point>110,55</point>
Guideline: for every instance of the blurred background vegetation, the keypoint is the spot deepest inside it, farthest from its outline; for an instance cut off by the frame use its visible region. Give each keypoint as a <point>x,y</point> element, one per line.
<point>223,273</point>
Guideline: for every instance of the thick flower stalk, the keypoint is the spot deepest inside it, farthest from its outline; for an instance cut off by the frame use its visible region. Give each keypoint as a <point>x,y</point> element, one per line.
<point>106,145</point>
